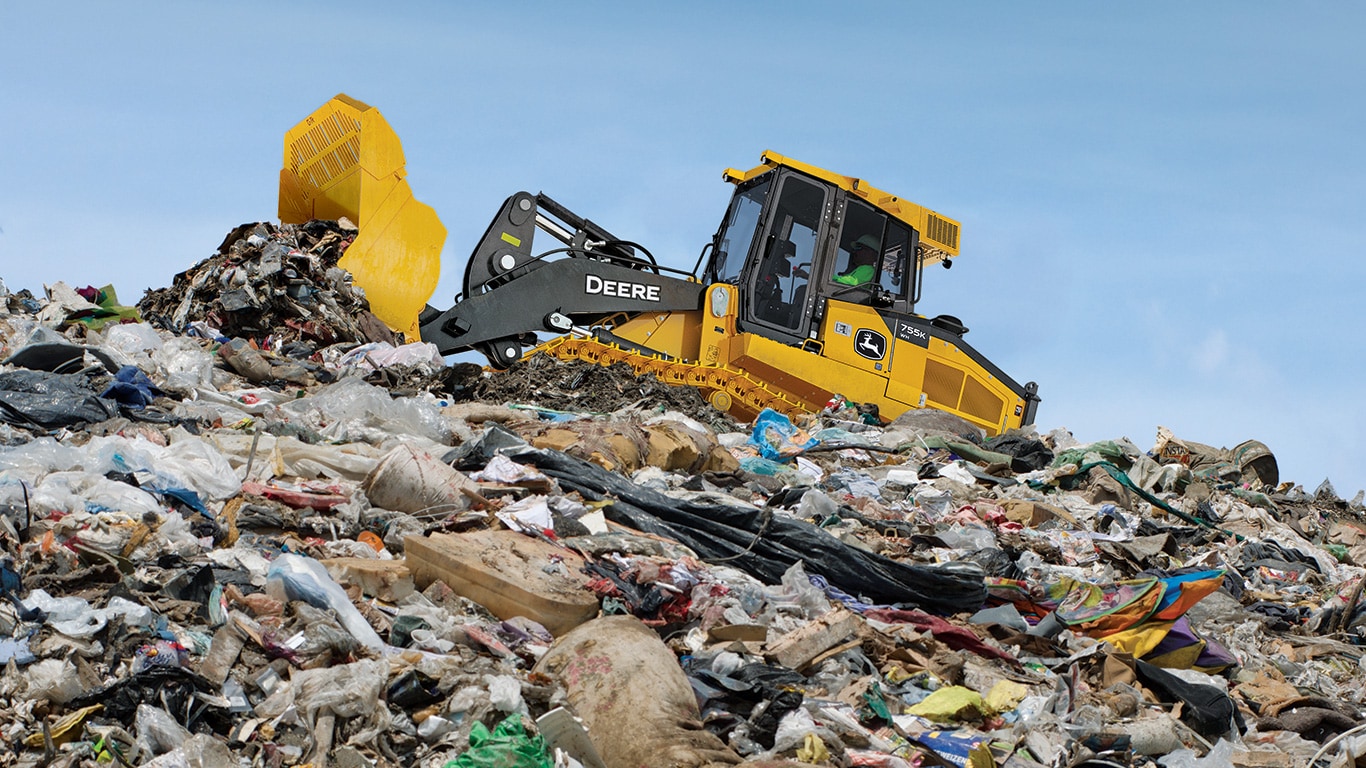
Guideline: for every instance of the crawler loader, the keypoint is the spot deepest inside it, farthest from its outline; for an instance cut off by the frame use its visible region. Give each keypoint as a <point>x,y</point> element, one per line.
<point>806,291</point>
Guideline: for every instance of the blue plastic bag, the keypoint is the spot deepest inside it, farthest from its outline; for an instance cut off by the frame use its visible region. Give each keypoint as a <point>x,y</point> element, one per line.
<point>777,438</point>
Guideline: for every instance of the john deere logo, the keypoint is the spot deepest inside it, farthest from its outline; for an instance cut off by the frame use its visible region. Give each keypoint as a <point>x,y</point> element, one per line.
<point>870,344</point>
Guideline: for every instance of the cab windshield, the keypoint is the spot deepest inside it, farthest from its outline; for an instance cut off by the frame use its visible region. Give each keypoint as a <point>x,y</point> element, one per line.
<point>736,235</point>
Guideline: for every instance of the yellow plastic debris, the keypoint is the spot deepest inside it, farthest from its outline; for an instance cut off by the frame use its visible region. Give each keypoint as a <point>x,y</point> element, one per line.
<point>813,750</point>
<point>1139,640</point>
<point>65,729</point>
<point>1006,695</point>
<point>950,704</point>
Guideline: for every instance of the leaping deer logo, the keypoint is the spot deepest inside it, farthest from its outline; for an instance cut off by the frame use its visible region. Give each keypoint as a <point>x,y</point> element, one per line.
<point>870,344</point>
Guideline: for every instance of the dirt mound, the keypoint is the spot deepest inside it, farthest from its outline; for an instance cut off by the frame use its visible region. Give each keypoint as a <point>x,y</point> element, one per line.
<point>580,386</point>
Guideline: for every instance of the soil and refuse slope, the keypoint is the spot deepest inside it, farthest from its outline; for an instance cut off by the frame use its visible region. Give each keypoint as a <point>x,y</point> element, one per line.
<point>244,525</point>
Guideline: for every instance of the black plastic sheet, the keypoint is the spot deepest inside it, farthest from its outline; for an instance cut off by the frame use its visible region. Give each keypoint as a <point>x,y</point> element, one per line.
<point>1028,454</point>
<point>1208,710</point>
<point>764,544</point>
<point>51,400</point>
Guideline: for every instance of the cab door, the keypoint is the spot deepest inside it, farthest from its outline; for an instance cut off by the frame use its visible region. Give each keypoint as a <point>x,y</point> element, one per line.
<point>778,281</point>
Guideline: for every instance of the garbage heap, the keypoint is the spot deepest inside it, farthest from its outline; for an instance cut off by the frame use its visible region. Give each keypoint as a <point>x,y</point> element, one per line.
<point>234,538</point>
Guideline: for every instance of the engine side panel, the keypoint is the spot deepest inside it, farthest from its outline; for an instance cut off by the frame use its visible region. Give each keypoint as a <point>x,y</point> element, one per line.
<point>914,365</point>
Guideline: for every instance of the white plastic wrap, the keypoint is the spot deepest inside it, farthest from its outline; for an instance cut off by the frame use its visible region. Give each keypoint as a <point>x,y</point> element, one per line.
<point>505,693</point>
<point>198,751</point>
<point>158,732</point>
<point>188,463</point>
<point>347,691</point>
<point>353,410</point>
<point>292,457</point>
<point>381,354</point>
<point>294,577</point>
<point>78,472</point>
<point>39,457</point>
<point>54,680</point>
<point>796,595</point>
<point>87,492</point>
<point>136,340</point>
<point>183,366</point>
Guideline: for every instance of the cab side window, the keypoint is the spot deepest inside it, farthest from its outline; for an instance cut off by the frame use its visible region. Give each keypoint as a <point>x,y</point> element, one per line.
<point>894,266</point>
<point>860,244</point>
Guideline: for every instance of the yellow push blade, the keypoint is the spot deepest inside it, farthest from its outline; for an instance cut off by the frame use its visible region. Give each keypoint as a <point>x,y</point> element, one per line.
<point>345,160</point>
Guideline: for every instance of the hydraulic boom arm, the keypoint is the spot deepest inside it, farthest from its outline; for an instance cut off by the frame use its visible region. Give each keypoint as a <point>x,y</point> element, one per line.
<point>510,292</point>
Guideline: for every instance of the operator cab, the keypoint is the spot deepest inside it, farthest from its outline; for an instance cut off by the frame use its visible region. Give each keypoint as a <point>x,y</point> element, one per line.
<point>796,236</point>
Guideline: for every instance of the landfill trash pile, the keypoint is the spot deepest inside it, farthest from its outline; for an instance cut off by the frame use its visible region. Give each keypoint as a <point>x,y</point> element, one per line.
<point>275,282</point>
<point>578,387</point>
<point>245,532</point>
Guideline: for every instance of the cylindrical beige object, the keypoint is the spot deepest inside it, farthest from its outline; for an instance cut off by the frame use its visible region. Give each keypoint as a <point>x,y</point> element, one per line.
<point>411,480</point>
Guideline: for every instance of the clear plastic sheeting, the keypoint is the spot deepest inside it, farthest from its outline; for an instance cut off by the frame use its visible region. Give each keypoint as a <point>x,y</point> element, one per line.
<point>354,411</point>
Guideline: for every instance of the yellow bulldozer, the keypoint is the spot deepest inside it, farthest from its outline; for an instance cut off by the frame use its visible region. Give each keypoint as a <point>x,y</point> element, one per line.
<point>807,291</point>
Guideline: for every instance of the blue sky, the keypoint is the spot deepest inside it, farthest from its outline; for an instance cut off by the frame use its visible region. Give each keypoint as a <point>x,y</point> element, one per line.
<point>1161,203</point>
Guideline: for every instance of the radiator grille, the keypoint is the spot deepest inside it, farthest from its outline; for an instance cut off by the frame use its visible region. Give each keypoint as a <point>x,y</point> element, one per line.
<point>942,231</point>
<point>942,383</point>
<point>980,402</point>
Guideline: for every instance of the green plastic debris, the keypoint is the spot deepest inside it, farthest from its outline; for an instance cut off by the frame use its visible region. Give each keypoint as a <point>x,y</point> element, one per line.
<point>507,746</point>
<point>1106,450</point>
<point>107,310</point>
<point>873,698</point>
<point>964,449</point>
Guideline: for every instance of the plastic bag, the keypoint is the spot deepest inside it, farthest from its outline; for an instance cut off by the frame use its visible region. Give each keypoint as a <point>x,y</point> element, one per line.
<point>188,463</point>
<point>507,746</point>
<point>51,400</point>
<point>157,731</point>
<point>199,751</point>
<point>968,537</point>
<point>797,593</point>
<point>79,491</point>
<point>184,366</point>
<point>286,456</point>
<point>346,690</point>
<point>352,410</point>
<point>40,457</point>
<point>295,577</point>
<point>777,437</point>
<point>760,466</point>
<point>793,730</point>
<point>1220,756</point>
<point>505,693</point>
<point>54,680</point>
<point>382,354</point>
<point>855,483</point>
<point>816,506</point>
<point>935,503</point>
<point>132,339</point>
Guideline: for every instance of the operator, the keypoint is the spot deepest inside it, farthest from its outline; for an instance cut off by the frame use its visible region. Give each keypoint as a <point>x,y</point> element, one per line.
<point>862,262</point>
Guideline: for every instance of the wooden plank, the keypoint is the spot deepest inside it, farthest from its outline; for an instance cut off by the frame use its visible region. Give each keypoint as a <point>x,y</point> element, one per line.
<point>798,647</point>
<point>389,580</point>
<point>506,573</point>
<point>1243,758</point>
